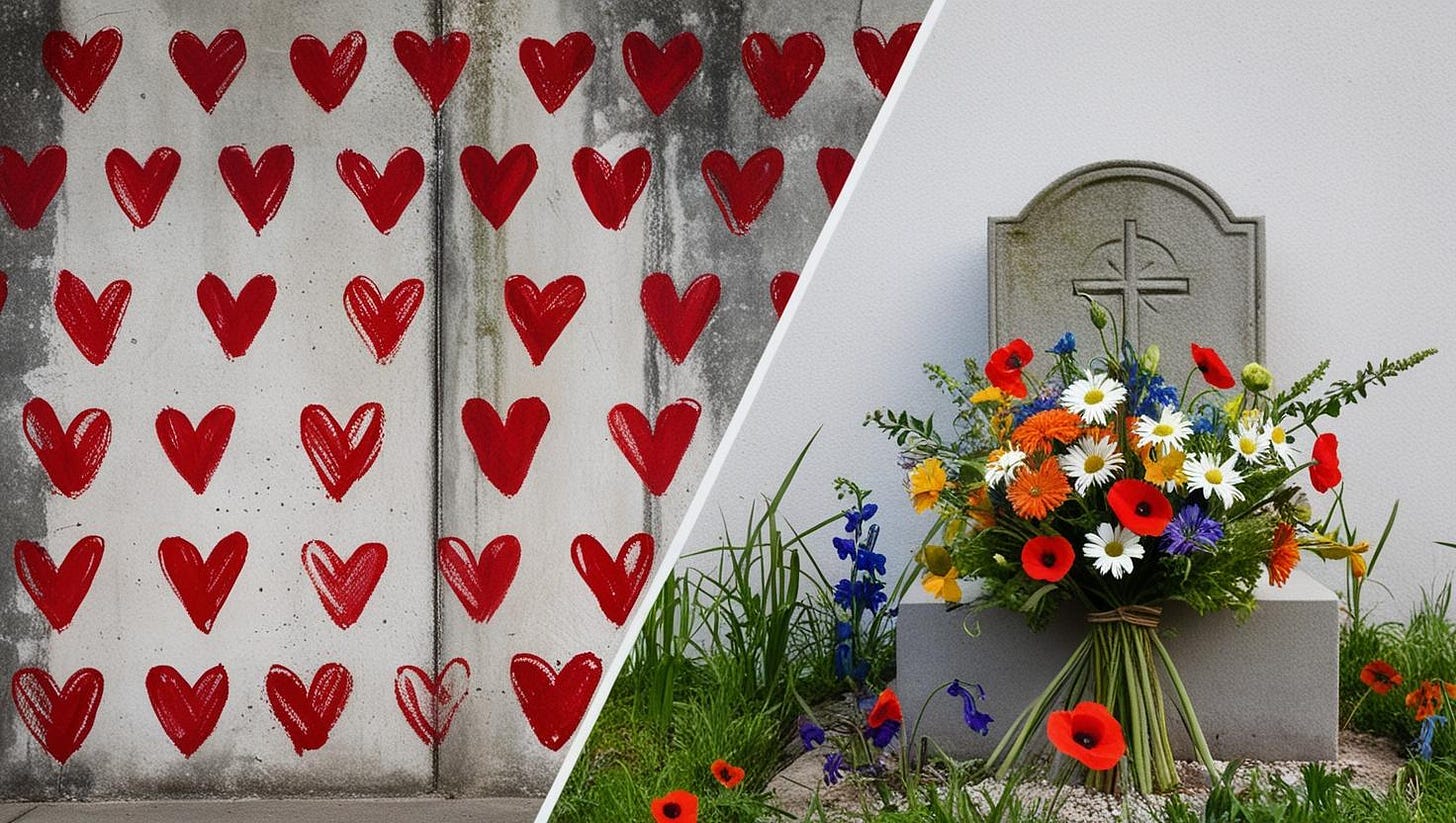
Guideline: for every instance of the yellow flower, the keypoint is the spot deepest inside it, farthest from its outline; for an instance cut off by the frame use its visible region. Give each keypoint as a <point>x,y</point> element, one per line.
<point>943,586</point>
<point>1165,471</point>
<point>990,394</point>
<point>927,480</point>
<point>1357,566</point>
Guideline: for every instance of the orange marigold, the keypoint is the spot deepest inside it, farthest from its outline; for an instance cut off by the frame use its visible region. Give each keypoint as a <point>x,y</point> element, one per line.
<point>1036,493</point>
<point>1284,556</point>
<point>1043,429</point>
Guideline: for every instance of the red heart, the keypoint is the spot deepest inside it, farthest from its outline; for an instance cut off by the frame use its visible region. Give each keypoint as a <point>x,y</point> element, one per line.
<point>781,78</point>
<point>258,187</point>
<point>59,719</point>
<point>610,192</point>
<point>834,165</point>
<point>4,290</point>
<point>344,586</point>
<point>341,457</point>
<point>480,583</point>
<point>661,74</point>
<point>540,315</point>
<point>679,322</point>
<point>617,582</point>
<point>445,693</point>
<point>781,288</point>
<point>382,321</point>
<point>79,69</point>
<point>308,716</point>
<point>434,65</point>
<point>188,712</point>
<point>505,450</point>
<point>742,194</point>
<point>326,75</point>
<point>72,457</point>
<point>554,702</point>
<point>138,189</point>
<point>208,70</point>
<point>195,453</point>
<point>201,585</point>
<point>880,60</point>
<point>496,188</point>
<point>655,451</point>
<point>236,322</point>
<point>27,189</point>
<point>555,70</point>
<point>383,196</point>
<point>58,591</point>
<point>92,323</point>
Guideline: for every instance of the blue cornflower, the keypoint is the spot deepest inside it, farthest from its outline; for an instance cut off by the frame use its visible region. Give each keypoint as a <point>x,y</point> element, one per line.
<point>978,721</point>
<point>1207,421</point>
<point>809,733</point>
<point>1042,402</point>
<point>854,517</point>
<point>1427,735</point>
<point>869,561</point>
<point>1148,390</point>
<point>1066,345</point>
<point>845,547</point>
<point>1191,529</point>
<point>833,768</point>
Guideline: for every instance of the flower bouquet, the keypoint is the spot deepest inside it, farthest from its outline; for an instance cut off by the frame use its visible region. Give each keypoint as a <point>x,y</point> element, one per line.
<point>1106,486</point>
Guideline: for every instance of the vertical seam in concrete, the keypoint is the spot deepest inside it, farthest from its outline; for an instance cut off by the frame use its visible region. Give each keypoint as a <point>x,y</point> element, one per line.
<point>435,369</point>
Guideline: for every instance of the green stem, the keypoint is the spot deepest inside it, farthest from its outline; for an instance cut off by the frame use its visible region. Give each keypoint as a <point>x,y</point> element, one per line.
<point>1031,718</point>
<point>1185,708</point>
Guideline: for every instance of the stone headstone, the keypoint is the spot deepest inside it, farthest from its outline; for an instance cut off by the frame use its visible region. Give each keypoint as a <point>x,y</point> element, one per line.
<point>1154,245</point>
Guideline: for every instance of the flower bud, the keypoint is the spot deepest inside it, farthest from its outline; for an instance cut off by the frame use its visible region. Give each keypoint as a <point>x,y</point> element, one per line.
<point>1099,314</point>
<point>1150,358</point>
<point>1256,378</point>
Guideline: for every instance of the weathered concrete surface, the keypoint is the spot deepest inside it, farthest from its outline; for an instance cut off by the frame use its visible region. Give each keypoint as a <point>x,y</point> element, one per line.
<point>376,810</point>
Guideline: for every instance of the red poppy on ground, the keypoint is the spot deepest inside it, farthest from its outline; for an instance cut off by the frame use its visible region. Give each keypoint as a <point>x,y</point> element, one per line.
<point>1212,367</point>
<point>1380,676</point>
<point>886,708</point>
<point>1047,558</point>
<point>1140,506</point>
<point>727,773</point>
<point>1426,699</point>
<point>677,806</point>
<point>1004,367</point>
<point>1324,472</point>
<point>1088,733</point>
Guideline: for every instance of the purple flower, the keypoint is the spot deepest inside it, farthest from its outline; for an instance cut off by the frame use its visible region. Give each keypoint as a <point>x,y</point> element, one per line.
<point>1066,345</point>
<point>845,547</point>
<point>854,517</point>
<point>833,768</point>
<point>882,734</point>
<point>978,721</point>
<point>1190,529</point>
<point>810,734</point>
<point>1427,735</point>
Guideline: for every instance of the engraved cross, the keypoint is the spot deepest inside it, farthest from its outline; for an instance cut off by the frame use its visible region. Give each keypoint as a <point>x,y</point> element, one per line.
<point>1130,285</point>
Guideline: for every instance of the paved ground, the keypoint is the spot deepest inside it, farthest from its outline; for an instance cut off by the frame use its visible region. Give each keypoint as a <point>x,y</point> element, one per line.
<point>402,810</point>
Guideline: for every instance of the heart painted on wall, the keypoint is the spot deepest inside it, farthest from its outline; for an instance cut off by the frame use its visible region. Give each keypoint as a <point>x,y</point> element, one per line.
<point>383,196</point>
<point>344,586</point>
<point>434,65</point>
<point>382,321</point>
<point>258,188</point>
<point>203,585</point>
<point>781,77</point>
<point>58,719</point>
<point>540,315</point>
<point>195,452</point>
<point>325,74</point>
<point>504,449</point>
<point>208,70</point>
<point>58,591</point>
<point>140,189</point>
<point>655,451</point>
<point>833,165</point>
<point>742,194</point>
<point>187,711</point>
<point>236,321</point>
<point>429,704</point>
<point>80,68</point>
<point>660,74</point>
<point>618,581</point>
<point>882,59</point>
<point>91,322</point>
<point>780,289</point>
<point>27,189</point>
<point>555,69</point>
<point>554,702</point>
<point>496,187</point>
<point>480,582</point>
<point>678,321</point>
<point>70,457</point>
<point>341,455</point>
<point>308,715</point>
<point>611,191</point>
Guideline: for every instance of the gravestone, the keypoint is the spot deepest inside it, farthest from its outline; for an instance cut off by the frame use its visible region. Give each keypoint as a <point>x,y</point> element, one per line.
<point>1167,258</point>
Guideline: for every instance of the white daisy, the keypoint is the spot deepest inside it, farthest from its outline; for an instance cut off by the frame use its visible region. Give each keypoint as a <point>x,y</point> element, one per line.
<point>1207,475</point>
<point>1169,430</point>
<point>1249,440</point>
<point>1093,397</point>
<point>1112,549</point>
<point>1091,462</point>
<point>1003,466</point>
<point>1278,434</point>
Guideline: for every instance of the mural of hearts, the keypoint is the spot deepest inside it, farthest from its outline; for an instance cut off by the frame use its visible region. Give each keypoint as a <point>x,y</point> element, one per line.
<point>344,586</point>
<point>540,315</point>
<point>833,165</point>
<point>677,322</point>
<point>781,288</point>
<point>414,690</point>
<point>616,581</point>
<point>236,321</point>
<point>201,585</point>
<point>341,456</point>
<point>504,449</point>
<point>611,191</point>
<point>70,457</point>
<point>383,196</point>
<point>496,187</point>
<point>308,715</point>
<point>479,582</point>
<point>91,322</point>
<point>742,194</point>
<point>58,590</point>
<point>26,189</point>
<point>139,189</point>
<point>660,74</point>
<point>881,60</point>
<point>195,452</point>
<point>58,719</point>
<point>258,187</point>
<point>325,74</point>
<point>208,70</point>
<point>434,65</point>
<point>79,69</point>
<point>655,451</point>
<point>554,70</point>
<point>187,711</point>
<point>553,701</point>
<point>382,321</point>
<point>782,77</point>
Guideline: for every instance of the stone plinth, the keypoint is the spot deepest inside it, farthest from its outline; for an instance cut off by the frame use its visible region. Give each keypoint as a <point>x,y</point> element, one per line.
<point>1267,689</point>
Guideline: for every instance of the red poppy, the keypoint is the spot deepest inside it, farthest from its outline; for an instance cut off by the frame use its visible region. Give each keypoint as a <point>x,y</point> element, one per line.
<point>1140,506</point>
<point>727,773</point>
<point>1047,558</point>
<point>1426,699</point>
<point>1004,367</point>
<point>677,806</point>
<point>1324,472</point>
<point>886,708</point>
<point>1380,676</point>
<point>1088,733</point>
<point>1212,367</point>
